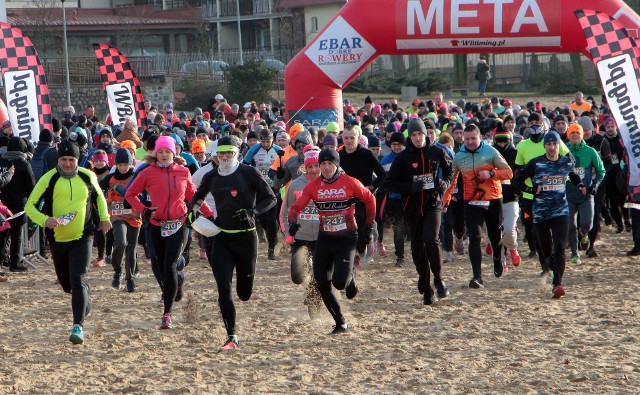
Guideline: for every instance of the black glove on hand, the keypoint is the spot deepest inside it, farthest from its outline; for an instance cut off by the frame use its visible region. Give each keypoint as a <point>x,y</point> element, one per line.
<point>147,212</point>
<point>368,233</point>
<point>418,185</point>
<point>442,187</point>
<point>280,173</point>
<point>293,229</point>
<point>592,191</point>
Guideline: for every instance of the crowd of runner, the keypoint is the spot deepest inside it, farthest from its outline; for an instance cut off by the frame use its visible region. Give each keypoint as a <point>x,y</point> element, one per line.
<point>224,180</point>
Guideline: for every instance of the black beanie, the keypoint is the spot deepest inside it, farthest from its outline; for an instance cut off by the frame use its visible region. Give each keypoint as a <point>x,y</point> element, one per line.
<point>46,136</point>
<point>416,125</point>
<point>391,128</point>
<point>329,154</point>
<point>124,156</point>
<point>397,137</point>
<point>368,100</point>
<point>252,135</point>
<point>56,124</point>
<point>428,124</point>
<point>67,148</point>
<point>107,132</point>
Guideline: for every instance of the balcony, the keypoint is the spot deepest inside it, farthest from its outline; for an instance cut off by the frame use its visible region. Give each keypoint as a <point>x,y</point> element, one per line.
<point>247,7</point>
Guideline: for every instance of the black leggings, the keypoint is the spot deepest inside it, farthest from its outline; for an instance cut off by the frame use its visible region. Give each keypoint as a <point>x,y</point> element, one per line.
<point>393,213</point>
<point>616,200</point>
<point>168,251</point>
<point>526,209</point>
<point>552,235</point>
<point>104,242</point>
<point>475,218</point>
<point>124,245</point>
<point>269,223</point>
<point>301,250</point>
<point>229,251</point>
<point>333,264</point>
<point>14,234</point>
<point>71,261</point>
<point>361,221</point>
<point>425,242</point>
<point>598,204</point>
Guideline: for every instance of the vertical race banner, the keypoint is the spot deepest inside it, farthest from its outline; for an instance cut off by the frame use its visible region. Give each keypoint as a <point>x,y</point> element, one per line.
<point>25,84</point>
<point>124,95</point>
<point>616,57</point>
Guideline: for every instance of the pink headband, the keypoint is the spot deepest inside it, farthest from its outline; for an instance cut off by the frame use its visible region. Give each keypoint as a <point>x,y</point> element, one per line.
<point>101,157</point>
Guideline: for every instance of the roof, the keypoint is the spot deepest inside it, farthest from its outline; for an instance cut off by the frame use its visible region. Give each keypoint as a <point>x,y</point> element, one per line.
<point>307,3</point>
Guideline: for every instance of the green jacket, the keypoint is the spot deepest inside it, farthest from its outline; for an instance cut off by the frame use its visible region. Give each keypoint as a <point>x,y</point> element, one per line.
<point>69,195</point>
<point>589,166</point>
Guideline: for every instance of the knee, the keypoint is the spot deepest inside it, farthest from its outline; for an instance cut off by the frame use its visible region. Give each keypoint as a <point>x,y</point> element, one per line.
<point>245,293</point>
<point>339,283</point>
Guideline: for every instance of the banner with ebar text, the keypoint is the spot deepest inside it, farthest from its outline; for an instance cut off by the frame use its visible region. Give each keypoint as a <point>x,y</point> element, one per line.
<point>616,57</point>
<point>124,95</point>
<point>25,84</point>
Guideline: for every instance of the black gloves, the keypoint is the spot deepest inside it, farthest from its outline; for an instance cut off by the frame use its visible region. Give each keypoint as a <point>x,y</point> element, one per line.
<point>592,190</point>
<point>418,185</point>
<point>293,229</point>
<point>280,173</point>
<point>147,212</point>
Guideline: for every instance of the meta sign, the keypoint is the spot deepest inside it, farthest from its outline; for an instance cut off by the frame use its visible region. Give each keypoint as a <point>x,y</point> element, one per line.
<point>475,24</point>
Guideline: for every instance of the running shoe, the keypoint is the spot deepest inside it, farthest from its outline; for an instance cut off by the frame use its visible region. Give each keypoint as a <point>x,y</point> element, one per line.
<point>428,298</point>
<point>116,280</point>
<point>352,289</point>
<point>532,255</point>
<point>459,246</point>
<point>515,257</point>
<point>399,262</point>
<point>627,225</point>
<point>441,288</point>
<point>107,259</point>
<point>635,251</point>
<point>271,255</point>
<point>368,258</point>
<point>166,321</point>
<point>498,267</point>
<point>476,283</point>
<point>422,283</point>
<point>179,290</point>
<point>592,253</point>
<point>620,229</point>
<point>131,286</point>
<point>575,260</point>
<point>203,253</point>
<point>77,335</point>
<point>356,261</point>
<point>98,262</point>
<point>584,242</point>
<point>381,250</point>
<point>488,250</point>
<point>231,343</point>
<point>558,292</point>
<point>448,257</point>
<point>338,329</point>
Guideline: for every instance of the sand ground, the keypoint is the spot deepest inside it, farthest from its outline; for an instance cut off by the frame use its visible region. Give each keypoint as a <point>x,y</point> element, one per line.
<point>507,338</point>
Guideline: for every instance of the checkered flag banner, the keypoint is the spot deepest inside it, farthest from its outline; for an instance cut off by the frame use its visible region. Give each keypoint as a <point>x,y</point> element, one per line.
<point>25,84</point>
<point>124,95</point>
<point>616,54</point>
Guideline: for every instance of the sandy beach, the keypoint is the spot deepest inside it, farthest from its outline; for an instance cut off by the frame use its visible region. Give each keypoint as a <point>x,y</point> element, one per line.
<point>507,338</point>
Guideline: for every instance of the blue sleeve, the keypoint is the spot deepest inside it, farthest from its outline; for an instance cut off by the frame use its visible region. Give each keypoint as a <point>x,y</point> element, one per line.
<point>248,159</point>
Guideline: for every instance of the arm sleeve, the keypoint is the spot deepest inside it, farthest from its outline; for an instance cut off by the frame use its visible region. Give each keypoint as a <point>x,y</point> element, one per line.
<point>502,170</point>
<point>394,183</point>
<point>287,202</point>
<point>299,205</point>
<point>136,186</point>
<point>5,179</point>
<point>248,159</point>
<point>101,202</point>
<point>600,171</point>
<point>369,200</point>
<point>446,198</point>
<point>189,194</point>
<point>203,189</point>
<point>378,170</point>
<point>265,199</point>
<point>527,171</point>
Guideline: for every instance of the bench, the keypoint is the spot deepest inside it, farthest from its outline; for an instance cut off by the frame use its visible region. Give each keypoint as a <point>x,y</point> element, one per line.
<point>461,90</point>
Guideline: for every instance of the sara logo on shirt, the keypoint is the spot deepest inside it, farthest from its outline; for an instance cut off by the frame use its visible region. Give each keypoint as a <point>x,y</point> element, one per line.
<point>332,193</point>
<point>234,192</point>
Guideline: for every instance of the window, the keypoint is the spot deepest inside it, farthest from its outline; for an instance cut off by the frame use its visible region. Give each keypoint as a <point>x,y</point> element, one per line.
<point>314,24</point>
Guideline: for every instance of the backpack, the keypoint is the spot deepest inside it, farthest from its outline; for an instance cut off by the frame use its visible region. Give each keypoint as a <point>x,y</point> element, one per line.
<point>92,218</point>
<point>39,163</point>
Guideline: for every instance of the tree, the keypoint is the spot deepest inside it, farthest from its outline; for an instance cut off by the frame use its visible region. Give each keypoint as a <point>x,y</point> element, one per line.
<point>252,81</point>
<point>43,25</point>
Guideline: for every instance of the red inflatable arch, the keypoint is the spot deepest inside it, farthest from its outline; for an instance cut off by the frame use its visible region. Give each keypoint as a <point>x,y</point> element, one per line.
<point>364,29</point>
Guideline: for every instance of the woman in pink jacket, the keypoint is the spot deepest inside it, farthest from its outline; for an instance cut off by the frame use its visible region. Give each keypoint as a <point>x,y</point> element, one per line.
<point>168,184</point>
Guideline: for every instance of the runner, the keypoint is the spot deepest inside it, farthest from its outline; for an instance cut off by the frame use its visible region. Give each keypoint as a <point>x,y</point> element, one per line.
<point>550,210</point>
<point>240,194</point>
<point>168,184</point>
<point>73,207</point>
<point>334,194</point>
<point>483,170</point>
<point>414,175</point>
<point>303,245</point>
<point>590,168</point>
<point>126,223</point>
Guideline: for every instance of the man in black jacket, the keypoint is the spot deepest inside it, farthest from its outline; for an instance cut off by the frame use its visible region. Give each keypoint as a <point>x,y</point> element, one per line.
<point>414,174</point>
<point>14,196</point>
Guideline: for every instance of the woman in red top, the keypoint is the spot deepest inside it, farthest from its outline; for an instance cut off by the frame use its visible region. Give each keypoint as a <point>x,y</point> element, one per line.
<point>335,194</point>
<point>168,183</point>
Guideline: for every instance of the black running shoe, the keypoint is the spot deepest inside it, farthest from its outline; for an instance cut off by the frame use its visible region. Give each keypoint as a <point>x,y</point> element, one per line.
<point>592,253</point>
<point>422,283</point>
<point>428,298</point>
<point>131,286</point>
<point>180,291</point>
<point>441,289</point>
<point>476,283</point>
<point>116,280</point>
<point>338,329</point>
<point>352,289</point>
<point>498,267</point>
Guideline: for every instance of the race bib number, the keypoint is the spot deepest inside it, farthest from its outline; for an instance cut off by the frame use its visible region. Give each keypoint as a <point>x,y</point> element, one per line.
<point>479,203</point>
<point>117,208</point>
<point>614,160</point>
<point>554,183</point>
<point>170,228</point>
<point>428,178</point>
<point>310,213</point>
<point>334,223</point>
<point>67,218</point>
